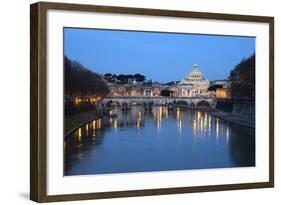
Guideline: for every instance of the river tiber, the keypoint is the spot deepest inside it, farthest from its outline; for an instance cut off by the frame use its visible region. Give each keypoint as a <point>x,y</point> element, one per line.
<point>125,113</point>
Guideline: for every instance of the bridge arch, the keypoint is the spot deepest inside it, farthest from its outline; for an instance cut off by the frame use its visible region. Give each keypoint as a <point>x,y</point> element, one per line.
<point>203,103</point>
<point>111,103</point>
<point>181,103</point>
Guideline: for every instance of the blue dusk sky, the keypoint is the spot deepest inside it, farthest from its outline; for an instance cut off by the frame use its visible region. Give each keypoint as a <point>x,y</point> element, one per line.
<point>161,57</point>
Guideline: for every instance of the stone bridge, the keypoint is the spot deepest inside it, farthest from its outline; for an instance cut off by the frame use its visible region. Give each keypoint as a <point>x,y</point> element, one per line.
<point>125,102</point>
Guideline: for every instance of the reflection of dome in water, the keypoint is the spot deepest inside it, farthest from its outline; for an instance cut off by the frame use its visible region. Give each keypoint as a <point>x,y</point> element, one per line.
<point>195,73</point>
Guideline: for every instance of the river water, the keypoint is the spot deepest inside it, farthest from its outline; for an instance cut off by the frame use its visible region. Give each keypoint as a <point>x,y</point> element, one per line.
<point>157,140</point>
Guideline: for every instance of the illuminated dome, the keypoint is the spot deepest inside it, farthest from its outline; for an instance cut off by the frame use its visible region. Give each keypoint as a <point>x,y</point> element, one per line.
<point>195,73</point>
<point>194,84</point>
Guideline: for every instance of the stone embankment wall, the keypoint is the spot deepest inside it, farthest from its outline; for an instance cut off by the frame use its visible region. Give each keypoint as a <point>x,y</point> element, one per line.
<point>244,108</point>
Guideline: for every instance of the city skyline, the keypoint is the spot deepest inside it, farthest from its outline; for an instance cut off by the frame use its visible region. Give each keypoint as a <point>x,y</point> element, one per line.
<point>151,53</point>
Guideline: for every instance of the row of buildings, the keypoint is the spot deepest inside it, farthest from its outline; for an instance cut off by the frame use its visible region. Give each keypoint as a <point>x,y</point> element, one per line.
<point>193,85</point>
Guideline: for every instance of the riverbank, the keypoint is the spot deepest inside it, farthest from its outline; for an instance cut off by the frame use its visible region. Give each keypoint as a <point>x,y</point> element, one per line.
<point>241,120</point>
<point>74,122</point>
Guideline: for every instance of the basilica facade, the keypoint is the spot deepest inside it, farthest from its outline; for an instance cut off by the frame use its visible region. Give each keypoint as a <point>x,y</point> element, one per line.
<point>194,84</point>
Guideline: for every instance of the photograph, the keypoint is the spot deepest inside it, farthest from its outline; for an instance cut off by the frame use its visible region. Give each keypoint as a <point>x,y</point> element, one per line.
<point>148,101</point>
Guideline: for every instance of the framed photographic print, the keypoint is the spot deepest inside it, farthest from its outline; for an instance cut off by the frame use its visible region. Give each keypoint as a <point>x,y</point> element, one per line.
<point>134,102</point>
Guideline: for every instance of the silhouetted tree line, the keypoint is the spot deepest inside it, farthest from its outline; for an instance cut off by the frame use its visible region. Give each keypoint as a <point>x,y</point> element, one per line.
<point>214,87</point>
<point>123,79</point>
<point>171,83</point>
<point>80,85</point>
<point>80,81</point>
<point>242,79</point>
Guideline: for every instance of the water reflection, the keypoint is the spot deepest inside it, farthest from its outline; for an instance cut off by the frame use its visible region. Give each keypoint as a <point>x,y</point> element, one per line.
<point>185,139</point>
